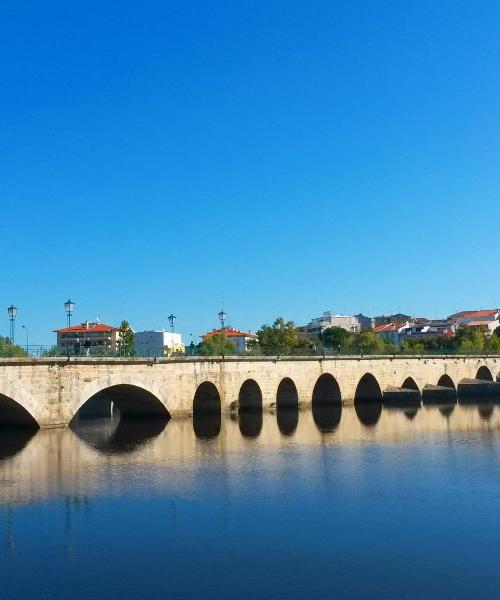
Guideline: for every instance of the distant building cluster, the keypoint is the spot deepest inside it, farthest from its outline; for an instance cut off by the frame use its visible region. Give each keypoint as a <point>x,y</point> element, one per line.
<point>92,337</point>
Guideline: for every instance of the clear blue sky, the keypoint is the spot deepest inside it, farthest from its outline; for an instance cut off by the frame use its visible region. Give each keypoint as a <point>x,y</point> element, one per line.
<point>281,157</point>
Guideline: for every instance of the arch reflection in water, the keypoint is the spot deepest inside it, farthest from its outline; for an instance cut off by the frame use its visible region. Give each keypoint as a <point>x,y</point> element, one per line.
<point>486,411</point>
<point>118,436</point>
<point>12,441</point>
<point>206,411</point>
<point>250,409</point>
<point>287,407</point>
<point>367,412</point>
<point>368,400</point>
<point>446,409</point>
<point>326,403</point>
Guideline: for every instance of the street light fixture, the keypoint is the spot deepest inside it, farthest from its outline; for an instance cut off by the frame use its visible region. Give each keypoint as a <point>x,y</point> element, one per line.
<point>12,312</point>
<point>171,320</point>
<point>222,318</point>
<point>27,337</point>
<point>69,307</point>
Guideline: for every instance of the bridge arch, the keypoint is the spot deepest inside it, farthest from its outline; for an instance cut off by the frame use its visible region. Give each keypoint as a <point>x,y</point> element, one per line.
<point>410,384</point>
<point>446,381</point>
<point>484,374</point>
<point>287,406</point>
<point>250,397</point>
<point>326,391</point>
<point>286,395</point>
<point>368,389</point>
<point>131,400</point>
<point>206,411</point>
<point>14,414</point>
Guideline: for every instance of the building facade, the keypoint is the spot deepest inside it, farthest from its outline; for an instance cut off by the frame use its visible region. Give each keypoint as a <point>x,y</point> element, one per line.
<point>88,337</point>
<point>158,343</point>
<point>351,323</point>
<point>239,338</point>
<point>487,319</point>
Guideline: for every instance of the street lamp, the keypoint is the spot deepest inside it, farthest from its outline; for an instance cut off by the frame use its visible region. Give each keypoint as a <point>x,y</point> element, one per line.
<point>12,312</point>
<point>27,337</point>
<point>222,318</point>
<point>171,320</point>
<point>70,307</point>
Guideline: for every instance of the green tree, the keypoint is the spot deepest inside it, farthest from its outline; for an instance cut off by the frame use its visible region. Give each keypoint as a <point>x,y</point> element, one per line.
<point>472,341</point>
<point>494,344</point>
<point>281,337</point>
<point>7,350</point>
<point>216,345</point>
<point>368,342</point>
<point>126,340</point>
<point>334,337</point>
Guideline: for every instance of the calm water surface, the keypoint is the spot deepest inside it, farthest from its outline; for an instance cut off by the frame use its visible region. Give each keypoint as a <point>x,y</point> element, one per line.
<point>373,502</point>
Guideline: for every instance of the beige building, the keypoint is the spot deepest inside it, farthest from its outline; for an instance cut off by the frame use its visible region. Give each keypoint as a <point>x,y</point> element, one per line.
<point>88,336</point>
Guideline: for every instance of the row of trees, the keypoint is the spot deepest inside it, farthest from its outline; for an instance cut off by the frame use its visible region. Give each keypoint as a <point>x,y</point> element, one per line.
<point>466,339</point>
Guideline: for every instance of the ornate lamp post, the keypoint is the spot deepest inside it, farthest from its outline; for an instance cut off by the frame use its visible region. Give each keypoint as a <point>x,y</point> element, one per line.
<point>12,312</point>
<point>69,307</point>
<point>222,318</point>
<point>171,320</point>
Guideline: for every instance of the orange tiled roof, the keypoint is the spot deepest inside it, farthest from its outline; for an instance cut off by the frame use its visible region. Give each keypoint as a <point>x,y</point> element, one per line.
<point>82,328</point>
<point>388,327</point>
<point>478,314</point>
<point>230,332</point>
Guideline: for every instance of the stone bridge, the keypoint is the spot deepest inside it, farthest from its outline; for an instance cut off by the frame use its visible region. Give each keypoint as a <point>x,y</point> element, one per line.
<point>49,392</point>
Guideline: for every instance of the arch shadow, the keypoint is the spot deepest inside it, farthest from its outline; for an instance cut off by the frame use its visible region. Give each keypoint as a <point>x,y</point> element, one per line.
<point>287,407</point>
<point>326,403</point>
<point>250,397</point>
<point>15,416</point>
<point>206,411</point>
<point>446,381</point>
<point>410,384</point>
<point>484,374</point>
<point>130,400</point>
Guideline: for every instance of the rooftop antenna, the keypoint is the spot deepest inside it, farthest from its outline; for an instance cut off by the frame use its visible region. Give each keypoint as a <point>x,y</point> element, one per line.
<point>98,319</point>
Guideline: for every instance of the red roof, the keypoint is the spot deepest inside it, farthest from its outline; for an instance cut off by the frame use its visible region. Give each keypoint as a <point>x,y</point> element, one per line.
<point>388,327</point>
<point>86,327</point>
<point>229,332</point>
<point>476,314</point>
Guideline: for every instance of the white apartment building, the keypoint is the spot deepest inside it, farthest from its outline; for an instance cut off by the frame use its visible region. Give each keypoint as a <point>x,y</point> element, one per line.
<point>158,343</point>
<point>351,323</point>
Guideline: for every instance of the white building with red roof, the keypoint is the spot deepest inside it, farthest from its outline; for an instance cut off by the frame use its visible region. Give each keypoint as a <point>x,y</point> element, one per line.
<point>239,338</point>
<point>488,319</point>
<point>88,335</point>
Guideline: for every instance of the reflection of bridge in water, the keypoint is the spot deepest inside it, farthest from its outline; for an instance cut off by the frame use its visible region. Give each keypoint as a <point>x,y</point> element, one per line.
<point>85,460</point>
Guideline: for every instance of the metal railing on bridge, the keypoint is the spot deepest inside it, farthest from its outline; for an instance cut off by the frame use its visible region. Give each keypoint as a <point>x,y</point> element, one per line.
<point>46,351</point>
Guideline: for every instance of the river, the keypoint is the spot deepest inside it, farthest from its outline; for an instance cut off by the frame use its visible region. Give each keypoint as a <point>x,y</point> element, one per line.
<point>358,502</point>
